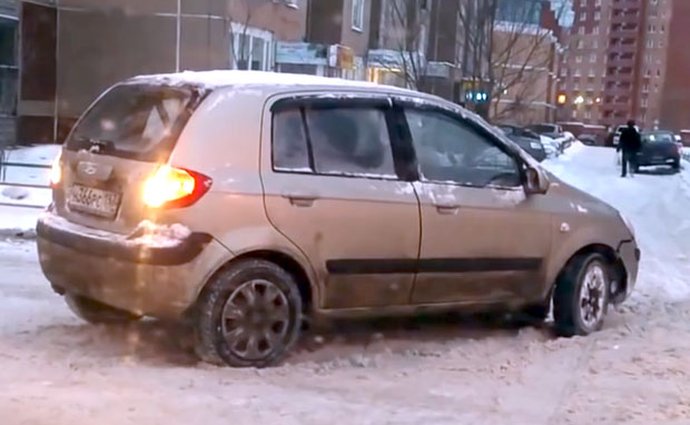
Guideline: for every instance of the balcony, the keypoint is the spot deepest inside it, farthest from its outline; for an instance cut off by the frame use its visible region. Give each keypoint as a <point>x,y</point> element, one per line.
<point>623,48</point>
<point>623,65</point>
<point>618,91</point>
<point>629,5</point>
<point>625,18</point>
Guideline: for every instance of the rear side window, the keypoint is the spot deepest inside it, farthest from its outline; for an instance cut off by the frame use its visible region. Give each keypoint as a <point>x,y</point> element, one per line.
<point>135,121</point>
<point>352,141</point>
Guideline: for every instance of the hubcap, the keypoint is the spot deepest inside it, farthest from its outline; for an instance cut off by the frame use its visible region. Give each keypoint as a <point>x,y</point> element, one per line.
<point>593,295</point>
<point>255,319</point>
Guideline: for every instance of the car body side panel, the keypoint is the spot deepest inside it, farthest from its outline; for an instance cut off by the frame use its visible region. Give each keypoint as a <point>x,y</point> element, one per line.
<point>361,235</point>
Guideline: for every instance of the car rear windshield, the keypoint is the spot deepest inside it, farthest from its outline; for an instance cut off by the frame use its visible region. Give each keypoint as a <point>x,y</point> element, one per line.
<point>544,128</point>
<point>135,121</point>
<point>658,138</point>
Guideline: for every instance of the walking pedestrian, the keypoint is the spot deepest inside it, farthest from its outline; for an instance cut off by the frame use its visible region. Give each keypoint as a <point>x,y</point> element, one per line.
<point>629,144</point>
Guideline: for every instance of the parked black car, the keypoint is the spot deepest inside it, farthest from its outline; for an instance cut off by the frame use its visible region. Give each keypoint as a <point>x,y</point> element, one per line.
<point>529,141</point>
<point>659,148</point>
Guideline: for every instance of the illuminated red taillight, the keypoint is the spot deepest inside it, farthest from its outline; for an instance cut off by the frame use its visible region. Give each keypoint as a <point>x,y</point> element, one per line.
<point>171,187</point>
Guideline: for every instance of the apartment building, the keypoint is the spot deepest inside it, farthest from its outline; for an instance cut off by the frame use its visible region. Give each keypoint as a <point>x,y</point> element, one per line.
<point>8,70</point>
<point>619,65</point>
<point>73,49</point>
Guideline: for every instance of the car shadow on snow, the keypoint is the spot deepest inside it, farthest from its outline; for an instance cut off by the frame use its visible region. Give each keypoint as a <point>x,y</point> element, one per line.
<point>161,344</point>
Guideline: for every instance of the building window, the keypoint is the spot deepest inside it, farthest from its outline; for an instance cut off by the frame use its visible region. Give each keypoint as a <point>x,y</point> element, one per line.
<point>252,48</point>
<point>593,58</point>
<point>597,16</point>
<point>595,44</point>
<point>595,31</point>
<point>358,15</point>
<point>581,31</point>
<point>578,59</point>
<point>8,66</point>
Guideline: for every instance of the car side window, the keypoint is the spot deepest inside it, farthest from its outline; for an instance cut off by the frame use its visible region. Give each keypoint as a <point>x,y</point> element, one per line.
<point>449,150</point>
<point>290,151</point>
<point>351,141</point>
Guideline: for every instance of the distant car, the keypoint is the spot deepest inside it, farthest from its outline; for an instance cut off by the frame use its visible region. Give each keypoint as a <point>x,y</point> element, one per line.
<point>554,131</point>
<point>659,148</point>
<point>529,141</point>
<point>617,133</point>
<point>588,139</point>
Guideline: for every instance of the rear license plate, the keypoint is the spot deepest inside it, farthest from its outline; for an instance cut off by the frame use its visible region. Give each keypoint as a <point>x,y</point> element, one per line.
<point>93,201</point>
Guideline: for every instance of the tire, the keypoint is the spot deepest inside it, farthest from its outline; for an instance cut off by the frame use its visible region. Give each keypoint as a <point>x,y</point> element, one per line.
<point>98,313</point>
<point>676,165</point>
<point>247,302</point>
<point>570,316</point>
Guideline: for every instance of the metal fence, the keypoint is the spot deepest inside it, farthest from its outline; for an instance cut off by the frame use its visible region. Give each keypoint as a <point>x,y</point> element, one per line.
<point>5,165</point>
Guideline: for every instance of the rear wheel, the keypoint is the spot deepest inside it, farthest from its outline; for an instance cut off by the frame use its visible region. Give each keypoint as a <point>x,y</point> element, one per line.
<point>581,296</point>
<point>96,313</point>
<point>249,315</point>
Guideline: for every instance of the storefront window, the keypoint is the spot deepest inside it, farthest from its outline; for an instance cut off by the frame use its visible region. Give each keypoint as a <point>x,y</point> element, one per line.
<point>251,48</point>
<point>8,65</point>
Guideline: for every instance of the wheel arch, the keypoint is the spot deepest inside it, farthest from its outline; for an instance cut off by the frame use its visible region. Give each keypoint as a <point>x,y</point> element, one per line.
<point>305,283</point>
<point>607,251</point>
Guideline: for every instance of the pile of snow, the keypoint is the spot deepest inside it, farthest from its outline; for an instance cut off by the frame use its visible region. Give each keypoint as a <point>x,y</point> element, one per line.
<point>146,235</point>
<point>656,201</point>
<point>154,235</point>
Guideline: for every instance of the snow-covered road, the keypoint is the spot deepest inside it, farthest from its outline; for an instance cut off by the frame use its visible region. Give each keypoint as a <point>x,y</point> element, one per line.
<point>56,370</point>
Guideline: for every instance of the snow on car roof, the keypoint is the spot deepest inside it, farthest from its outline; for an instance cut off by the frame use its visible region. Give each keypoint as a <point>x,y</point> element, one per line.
<point>225,78</point>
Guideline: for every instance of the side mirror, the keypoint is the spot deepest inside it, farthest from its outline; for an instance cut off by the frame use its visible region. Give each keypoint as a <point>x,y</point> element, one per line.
<point>536,182</point>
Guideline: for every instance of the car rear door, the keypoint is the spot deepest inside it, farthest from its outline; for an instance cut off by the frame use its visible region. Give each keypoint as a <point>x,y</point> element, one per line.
<point>333,187</point>
<point>483,240</point>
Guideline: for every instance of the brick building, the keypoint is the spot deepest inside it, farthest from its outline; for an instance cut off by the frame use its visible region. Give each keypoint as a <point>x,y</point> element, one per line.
<point>618,64</point>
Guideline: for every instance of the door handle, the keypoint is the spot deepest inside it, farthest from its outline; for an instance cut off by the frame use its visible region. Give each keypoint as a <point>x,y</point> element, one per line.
<point>447,209</point>
<point>301,200</point>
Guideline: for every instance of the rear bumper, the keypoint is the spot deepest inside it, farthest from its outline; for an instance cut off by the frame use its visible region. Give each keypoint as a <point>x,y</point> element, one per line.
<point>159,282</point>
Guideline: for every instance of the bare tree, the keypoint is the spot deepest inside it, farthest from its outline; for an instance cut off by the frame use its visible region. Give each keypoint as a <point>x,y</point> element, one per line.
<point>240,14</point>
<point>405,35</point>
<point>505,54</point>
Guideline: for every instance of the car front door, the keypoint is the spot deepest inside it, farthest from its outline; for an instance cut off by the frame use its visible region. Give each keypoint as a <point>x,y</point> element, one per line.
<point>332,187</point>
<point>483,239</point>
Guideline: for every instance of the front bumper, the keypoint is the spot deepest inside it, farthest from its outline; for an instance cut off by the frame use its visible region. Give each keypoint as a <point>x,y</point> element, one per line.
<point>630,256</point>
<point>161,282</point>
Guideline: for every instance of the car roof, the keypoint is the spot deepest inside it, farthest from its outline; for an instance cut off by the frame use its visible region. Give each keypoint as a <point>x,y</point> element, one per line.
<point>268,81</point>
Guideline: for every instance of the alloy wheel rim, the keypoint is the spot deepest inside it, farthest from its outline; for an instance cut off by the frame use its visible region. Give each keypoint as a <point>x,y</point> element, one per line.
<point>255,319</point>
<point>593,295</point>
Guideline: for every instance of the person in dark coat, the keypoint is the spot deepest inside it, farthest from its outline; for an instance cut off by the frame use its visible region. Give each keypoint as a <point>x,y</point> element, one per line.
<point>630,144</point>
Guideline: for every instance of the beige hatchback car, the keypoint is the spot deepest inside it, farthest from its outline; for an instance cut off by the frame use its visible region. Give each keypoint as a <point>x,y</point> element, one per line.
<point>243,202</point>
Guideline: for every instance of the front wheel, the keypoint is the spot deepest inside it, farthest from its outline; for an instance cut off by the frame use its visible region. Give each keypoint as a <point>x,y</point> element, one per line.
<point>97,313</point>
<point>581,296</point>
<point>676,165</point>
<point>249,315</point>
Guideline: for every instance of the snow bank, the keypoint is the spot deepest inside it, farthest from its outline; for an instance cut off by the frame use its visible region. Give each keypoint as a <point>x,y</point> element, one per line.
<point>18,222</point>
<point>656,201</point>
<point>147,234</point>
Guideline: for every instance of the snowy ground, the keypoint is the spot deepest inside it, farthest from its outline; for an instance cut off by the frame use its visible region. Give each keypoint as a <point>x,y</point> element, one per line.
<point>57,370</point>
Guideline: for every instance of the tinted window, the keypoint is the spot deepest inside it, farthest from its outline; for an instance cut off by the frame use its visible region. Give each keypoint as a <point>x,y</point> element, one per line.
<point>350,141</point>
<point>658,138</point>
<point>290,150</point>
<point>139,121</point>
<point>341,141</point>
<point>450,150</point>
